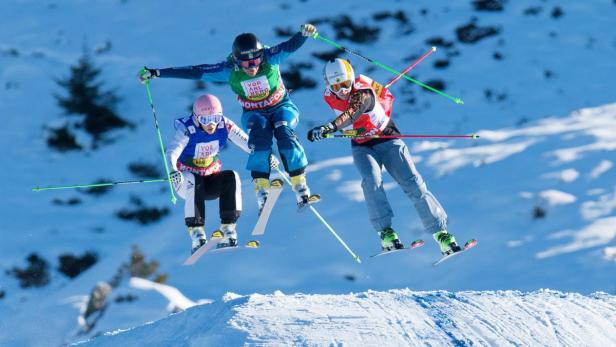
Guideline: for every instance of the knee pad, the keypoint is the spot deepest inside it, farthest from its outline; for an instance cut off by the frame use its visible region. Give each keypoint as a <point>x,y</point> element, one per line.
<point>260,139</point>
<point>285,136</point>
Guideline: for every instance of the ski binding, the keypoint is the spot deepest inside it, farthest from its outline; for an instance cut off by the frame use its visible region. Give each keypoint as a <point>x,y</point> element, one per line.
<point>468,245</point>
<point>413,245</point>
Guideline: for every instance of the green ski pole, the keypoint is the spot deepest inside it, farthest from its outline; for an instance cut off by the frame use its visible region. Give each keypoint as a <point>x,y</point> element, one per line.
<point>316,213</point>
<point>160,141</point>
<point>93,185</point>
<point>383,66</point>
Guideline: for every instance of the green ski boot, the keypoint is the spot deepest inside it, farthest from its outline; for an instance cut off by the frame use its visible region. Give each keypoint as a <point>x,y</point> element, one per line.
<point>389,240</point>
<point>446,242</point>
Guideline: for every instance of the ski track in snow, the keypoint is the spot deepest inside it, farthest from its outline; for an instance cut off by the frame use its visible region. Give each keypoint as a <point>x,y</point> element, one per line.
<point>392,318</point>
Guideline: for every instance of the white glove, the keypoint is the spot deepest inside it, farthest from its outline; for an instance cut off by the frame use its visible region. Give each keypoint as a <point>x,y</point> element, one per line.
<point>273,161</point>
<point>146,74</point>
<point>176,177</point>
<point>308,30</point>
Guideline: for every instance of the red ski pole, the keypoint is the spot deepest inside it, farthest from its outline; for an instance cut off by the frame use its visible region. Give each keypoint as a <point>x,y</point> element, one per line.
<point>432,50</point>
<point>412,136</point>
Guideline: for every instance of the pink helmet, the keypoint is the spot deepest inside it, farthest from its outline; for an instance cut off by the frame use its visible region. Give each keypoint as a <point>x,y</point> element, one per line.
<point>207,105</point>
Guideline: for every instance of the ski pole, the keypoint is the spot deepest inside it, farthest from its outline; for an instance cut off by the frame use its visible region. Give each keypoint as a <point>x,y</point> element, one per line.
<point>395,79</point>
<point>105,184</point>
<point>316,213</point>
<point>412,136</point>
<point>374,62</point>
<point>160,141</point>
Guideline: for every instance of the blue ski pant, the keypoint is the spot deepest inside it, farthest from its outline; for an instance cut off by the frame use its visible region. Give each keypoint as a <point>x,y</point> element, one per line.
<point>262,126</point>
<point>395,157</point>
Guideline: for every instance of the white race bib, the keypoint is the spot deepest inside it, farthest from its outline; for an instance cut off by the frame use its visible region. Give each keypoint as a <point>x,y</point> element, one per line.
<point>206,149</point>
<point>256,88</point>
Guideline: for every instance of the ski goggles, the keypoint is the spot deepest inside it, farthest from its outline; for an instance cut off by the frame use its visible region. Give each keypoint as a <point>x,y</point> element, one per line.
<point>209,119</point>
<point>340,86</point>
<point>250,62</point>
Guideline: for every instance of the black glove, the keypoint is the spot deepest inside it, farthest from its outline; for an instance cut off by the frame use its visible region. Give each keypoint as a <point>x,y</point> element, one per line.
<point>146,74</point>
<point>320,132</point>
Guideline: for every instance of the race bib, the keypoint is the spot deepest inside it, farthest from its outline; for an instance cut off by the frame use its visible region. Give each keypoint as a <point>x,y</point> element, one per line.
<point>256,88</point>
<point>205,152</point>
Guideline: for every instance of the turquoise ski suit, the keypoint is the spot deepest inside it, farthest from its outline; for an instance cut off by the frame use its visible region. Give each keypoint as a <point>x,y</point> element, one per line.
<point>267,108</point>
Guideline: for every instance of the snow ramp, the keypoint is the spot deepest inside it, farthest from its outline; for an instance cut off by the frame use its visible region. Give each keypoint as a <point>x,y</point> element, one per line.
<point>393,318</point>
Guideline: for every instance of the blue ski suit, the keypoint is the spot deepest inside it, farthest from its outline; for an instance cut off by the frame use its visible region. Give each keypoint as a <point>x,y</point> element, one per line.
<point>267,107</point>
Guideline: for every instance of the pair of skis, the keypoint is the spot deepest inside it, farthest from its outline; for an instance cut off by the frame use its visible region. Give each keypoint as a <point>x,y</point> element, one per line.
<point>276,187</point>
<point>419,243</point>
<point>212,245</point>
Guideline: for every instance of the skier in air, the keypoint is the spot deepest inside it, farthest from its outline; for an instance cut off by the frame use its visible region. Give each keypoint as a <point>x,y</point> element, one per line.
<point>364,106</point>
<point>193,154</point>
<point>252,70</point>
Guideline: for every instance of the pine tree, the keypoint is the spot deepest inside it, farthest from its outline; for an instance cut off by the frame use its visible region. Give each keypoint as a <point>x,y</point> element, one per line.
<point>86,98</point>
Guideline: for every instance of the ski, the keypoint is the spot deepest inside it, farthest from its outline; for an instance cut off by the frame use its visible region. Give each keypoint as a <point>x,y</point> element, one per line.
<point>413,245</point>
<point>211,247</point>
<point>253,244</point>
<point>468,245</point>
<point>274,192</point>
<point>211,244</point>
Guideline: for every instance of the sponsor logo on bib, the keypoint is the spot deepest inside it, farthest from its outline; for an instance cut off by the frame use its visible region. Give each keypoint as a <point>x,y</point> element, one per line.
<point>256,89</point>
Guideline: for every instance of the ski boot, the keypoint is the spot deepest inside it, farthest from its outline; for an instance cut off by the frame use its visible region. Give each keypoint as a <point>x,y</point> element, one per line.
<point>253,244</point>
<point>227,234</point>
<point>197,235</point>
<point>302,192</point>
<point>446,242</point>
<point>389,240</point>
<point>262,186</point>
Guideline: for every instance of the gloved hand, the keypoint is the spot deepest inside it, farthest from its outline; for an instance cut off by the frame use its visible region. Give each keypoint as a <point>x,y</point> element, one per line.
<point>146,74</point>
<point>176,177</point>
<point>308,30</point>
<point>318,133</point>
<point>273,161</point>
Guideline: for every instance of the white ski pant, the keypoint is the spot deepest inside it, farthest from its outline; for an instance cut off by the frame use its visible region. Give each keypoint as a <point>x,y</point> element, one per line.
<point>225,186</point>
<point>395,157</point>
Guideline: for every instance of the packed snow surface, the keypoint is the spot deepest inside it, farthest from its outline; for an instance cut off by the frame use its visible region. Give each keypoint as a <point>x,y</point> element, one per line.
<point>393,318</point>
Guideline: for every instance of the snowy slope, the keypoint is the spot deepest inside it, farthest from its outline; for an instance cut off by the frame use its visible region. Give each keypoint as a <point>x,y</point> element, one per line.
<point>545,110</point>
<point>392,318</point>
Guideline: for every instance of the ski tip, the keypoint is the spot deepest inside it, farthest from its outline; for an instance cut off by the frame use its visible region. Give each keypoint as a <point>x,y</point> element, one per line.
<point>417,243</point>
<point>470,243</point>
<point>253,244</point>
<point>276,183</point>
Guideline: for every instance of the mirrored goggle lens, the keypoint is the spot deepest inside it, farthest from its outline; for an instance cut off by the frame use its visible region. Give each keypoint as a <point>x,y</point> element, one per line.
<point>210,119</point>
<point>251,62</point>
<point>342,85</point>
